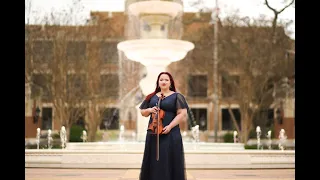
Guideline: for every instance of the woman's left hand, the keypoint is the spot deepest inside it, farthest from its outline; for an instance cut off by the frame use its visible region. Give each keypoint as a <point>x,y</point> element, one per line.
<point>166,129</point>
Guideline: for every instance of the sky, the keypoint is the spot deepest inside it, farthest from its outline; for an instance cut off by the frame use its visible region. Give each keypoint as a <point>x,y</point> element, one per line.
<point>251,8</point>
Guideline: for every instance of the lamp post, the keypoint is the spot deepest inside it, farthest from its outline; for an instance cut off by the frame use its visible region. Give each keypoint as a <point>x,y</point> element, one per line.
<point>215,72</point>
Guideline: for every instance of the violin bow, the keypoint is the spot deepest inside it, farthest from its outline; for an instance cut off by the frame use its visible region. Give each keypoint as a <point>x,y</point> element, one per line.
<point>158,124</point>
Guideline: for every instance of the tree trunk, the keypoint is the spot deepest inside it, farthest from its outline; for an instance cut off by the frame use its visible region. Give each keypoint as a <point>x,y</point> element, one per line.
<point>245,123</point>
<point>233,119</point>
<point>274,27</point>
<point>92,130</point>
<point>68,133</point>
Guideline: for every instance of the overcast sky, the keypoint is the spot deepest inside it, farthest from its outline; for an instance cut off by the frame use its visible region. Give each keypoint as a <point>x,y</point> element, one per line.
<point>251,8</point>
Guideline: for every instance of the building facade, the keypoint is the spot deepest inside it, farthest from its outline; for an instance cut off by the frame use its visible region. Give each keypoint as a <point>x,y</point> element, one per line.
<point>110,81</point>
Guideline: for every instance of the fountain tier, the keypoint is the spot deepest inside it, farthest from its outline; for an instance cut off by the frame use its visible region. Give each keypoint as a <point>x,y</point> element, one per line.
<point>153,33</point>
<point>155,52</point>
<point>155,55</point>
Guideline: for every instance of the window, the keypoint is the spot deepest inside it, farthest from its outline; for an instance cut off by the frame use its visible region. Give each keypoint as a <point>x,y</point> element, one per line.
<point>76,85</point>
<point>109,52</point>
<point>110,118</point>
<point>270,119</point>
<point>77,116</point>
<point>76,51</point>
<point>264,118</point>
<point>110,85</point>
<point>40,86</point>
<point>200,116</point>
<point>227,123</point>
<point>197,86</point>
<point>46,118</point>
<point>230,84</point>
<point>42,51</point>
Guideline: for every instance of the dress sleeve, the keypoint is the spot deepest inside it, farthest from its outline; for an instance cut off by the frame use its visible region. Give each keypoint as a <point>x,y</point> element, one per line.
<point>181,102</point>
<point>144,105</point>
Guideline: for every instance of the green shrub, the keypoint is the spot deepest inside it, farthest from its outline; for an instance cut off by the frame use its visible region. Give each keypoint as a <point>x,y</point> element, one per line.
<point>42,146</point>
<point>76,133</point>
<point>228,137</point>
<point>56,135</point>
<point>254,146</point>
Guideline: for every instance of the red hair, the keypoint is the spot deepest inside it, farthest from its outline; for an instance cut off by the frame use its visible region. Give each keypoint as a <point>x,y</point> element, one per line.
<point>172,86</point>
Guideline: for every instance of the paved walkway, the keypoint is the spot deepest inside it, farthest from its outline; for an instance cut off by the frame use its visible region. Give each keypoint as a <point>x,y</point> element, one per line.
<point>133,174</point>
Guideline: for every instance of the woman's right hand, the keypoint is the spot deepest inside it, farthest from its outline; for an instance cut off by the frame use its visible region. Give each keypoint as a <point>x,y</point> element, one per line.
<point>153,109</point>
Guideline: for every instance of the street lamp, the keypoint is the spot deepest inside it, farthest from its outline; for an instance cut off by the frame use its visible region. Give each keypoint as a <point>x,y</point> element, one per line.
<point>36,116</point>
<point>214,16</point>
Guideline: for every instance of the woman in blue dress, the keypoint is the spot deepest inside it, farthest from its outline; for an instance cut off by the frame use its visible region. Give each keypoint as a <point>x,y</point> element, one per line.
<point>171,163</point>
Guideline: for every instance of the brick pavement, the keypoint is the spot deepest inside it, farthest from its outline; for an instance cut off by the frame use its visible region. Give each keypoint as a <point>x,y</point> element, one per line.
<point>133,174</point>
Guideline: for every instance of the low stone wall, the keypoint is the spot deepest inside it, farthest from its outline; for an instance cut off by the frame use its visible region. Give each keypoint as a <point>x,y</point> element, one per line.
<point>62,158</point>
<point>139,146</point>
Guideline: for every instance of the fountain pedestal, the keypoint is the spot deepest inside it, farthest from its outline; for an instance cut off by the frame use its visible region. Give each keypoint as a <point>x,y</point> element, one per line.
<point>147,86</point>
<point>153,32</point>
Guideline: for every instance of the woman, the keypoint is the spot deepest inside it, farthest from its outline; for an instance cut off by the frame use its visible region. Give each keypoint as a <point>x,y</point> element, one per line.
<point>171,165</point>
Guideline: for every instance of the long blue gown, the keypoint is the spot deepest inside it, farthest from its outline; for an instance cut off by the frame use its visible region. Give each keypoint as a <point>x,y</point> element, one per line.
<point>171,164</point>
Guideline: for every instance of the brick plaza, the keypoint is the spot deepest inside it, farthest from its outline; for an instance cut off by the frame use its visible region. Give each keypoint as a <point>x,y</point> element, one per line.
<point>133,174</point>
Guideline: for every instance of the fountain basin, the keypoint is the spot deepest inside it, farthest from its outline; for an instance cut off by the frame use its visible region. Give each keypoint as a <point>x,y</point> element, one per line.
<point>197,159</point>
<point>139,146</point>
<point>155,7</point>
<point>155,51</point>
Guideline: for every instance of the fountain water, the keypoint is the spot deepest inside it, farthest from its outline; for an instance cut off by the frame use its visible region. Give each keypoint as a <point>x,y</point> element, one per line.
<point>258,131</point>
<point>121,134</point>
<point>154,30</point>
<point>50,139</point>
<point>84,136</point>
<point>235,133</point>
<point>195,136</point>
<point>195,133</point>
<point>269,140</point>
<point>133,135</point>
<point>38,138</point>
<point>129,155</point>
<point>282,139</point>
<point>63,137</point>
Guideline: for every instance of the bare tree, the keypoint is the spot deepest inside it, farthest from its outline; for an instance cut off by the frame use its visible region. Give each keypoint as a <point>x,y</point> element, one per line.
<point>71,67</point>
<point>277,13</point>
<point>249,64</point>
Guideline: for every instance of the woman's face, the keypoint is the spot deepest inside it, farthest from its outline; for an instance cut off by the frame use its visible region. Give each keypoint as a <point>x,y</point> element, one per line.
<point>164,81</point>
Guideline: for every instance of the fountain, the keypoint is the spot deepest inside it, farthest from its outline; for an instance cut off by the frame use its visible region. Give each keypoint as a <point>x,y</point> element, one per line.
<point>38,138</point>
<point>63,137</point>
<point>184,134</point>
<point>235,133</point>
<point>195,133</point>
<point>121,133</point>
<point>258,131</point>
<point>195,136</point>
<point>50,139</point>
<point>269,140</point>
<point>153,33</point>
<point>153,38</point>
<point>84,136</point>
<point>133,135</point>
<point>282,139</point>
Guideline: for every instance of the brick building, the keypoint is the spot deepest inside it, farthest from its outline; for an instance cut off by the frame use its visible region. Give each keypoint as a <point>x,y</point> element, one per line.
<point>96,43</point>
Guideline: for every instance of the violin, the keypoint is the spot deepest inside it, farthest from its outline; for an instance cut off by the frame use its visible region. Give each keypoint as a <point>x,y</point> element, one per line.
<point>156,126</point>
